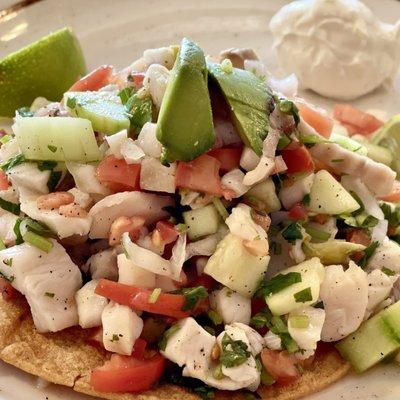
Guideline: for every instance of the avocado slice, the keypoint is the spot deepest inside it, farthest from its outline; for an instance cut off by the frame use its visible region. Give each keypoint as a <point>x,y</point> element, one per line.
<point>389,137</point>
<point>248,98</point>
<point>376,339</point>
<point>103,109</point>
<point>45,68</point>
<point>184,124</point>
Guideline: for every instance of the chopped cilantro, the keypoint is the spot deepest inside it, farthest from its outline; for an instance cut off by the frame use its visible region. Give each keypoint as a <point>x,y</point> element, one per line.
<point>306,200</point>
<point>25,112</point>
<point>192,296</point>
<point>292,232</point>
<point>278,283</point>
<point>233,352</point>
<point>368,253</point>
<point>214,317</point>
<point>8,261</point>
<point>262,319</point>
<point>140,111</point>
<point>388,271</point>
<point>125,94</point>
<point>289,108</point>
<point>115,338</point>
<point>10,207</point>
<point>71,102</point>
<point>284,141</point>
<point>49,294</point>
<point>13,162</point>
<point>205,392</point>
<point>52,148</point>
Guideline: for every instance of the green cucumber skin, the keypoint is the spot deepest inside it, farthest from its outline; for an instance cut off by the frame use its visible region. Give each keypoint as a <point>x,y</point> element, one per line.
<point>202,221</point>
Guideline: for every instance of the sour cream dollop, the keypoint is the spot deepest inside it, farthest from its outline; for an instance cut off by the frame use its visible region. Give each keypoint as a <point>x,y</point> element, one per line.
<point>337,48</point>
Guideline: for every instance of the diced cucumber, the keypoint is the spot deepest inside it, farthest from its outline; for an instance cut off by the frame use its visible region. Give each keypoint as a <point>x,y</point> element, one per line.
<point>376,339</point>
<point>312,273</point>
<point>333,251</point>
<point>379,153</point>
<point>58,139</point>
<point>202,221</point>
<point>348,143</point>
<point>103,109</point>
<point>264,194</point>
<point>328,196</point>
<point>233,266</point>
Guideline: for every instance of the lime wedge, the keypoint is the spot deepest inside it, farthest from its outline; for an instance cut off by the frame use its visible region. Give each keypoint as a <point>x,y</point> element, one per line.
<point>45,68</point>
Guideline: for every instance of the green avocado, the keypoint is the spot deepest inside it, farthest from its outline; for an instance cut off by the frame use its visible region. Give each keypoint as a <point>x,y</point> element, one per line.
<point>389,137</point>
<point>45,68</point>
<point>103,109</point>
<point>248,98</point>
<point>184,125</point>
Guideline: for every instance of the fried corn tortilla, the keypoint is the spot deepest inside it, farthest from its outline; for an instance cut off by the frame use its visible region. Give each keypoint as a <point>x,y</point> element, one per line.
<point>66,359</point>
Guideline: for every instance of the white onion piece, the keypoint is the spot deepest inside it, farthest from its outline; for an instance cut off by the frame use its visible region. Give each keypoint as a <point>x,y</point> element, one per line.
<point>288,85</point>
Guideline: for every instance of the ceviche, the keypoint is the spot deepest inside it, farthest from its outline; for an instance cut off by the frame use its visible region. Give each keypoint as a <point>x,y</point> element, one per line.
<point>203,224</point>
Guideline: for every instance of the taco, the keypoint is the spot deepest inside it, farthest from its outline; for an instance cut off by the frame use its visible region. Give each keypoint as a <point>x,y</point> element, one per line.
<point>181,229</point>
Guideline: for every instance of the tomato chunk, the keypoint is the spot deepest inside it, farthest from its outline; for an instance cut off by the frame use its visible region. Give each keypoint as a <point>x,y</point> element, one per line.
<point>229,158</point>
<point>7,291</point>
<point>358,236</point>
<point>118,175</point>
<point>298,212</point>
<point>168,232</point>
<point>95,80</point>
<point>3,180</point>
<point>280,365</point>
<point>201,175</point>
<point>297,159</point>
<point>138,298</point>
<point>355,120</point>
<point>320,122</point>
<point>394,195</point>
<point>128,373</point>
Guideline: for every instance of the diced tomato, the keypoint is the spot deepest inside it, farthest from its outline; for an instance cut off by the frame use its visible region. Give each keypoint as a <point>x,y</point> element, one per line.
<point>297,159</point>
<point>138,78</point>
<point>257,305</point>
<point>280,365</point>
<point>118,175</point>
<point>394,195</point>
<point>358,236</point>
<point>228,157</point>
<point>139,349</point>
<point>201,175</point>
<point>321,218</point>
<point>138,299</point>
<point>7,291</point>
<point>128,374</point>
<point>95,80</point>
<point>360,121</point>
<point>3,180</point>
<point>320,122</point>
<point>298,212</point>
<point>168,232</point>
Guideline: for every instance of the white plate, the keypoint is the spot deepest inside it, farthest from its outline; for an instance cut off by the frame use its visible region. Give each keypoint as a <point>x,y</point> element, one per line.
<point>116,32</point>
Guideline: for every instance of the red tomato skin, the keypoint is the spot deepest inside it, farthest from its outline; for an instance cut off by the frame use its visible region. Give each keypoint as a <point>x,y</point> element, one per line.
<point>127,374</point>
<point>201,175</point>
<point>298,212</point>
<point>138,298</point>
<point>118,175</point>
<point>355,120</point>
<point>321,123</point>
<point>168,232</point>
<point>394,195</point>
<point>280,365</point>
<point>7,291</point>
<point>204,280</point>
<point>94,80</point>
<point>297,160</point>
<point>139,349</point>
<point>3,180</point>
<point>229,157</point>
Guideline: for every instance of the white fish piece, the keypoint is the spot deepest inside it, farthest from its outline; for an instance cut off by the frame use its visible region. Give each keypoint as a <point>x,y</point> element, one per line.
<point>386,255</point>
<point>131,274</point>
<point>240,223</point>
<point>157,177</point>
<point>131,152</point>
<point>10,195</point>
<point>86,179</point>
<point>249,159</point>
<point>49,282</point>
<point>115,141</point>
<point>60,224</point>
<point>345,298</point>
<point>163,55</point>
<point>234,180</point>
<point>295,193</point>
<point>103,265</point>
<point>90,305</point>
<point>307,338</point>
<point>155,81</point>
<point>121,327</point>
<point>9,150</point>
<point>378,177</point>
<point>128,204</point>
<point>28,180</point>
<point>7,223</point>
<point>82,199</point>
<point>256,341</point>
<point>273,341</point>
<point>231,306</point>
<point>380,286</point>
<point>148,141</point>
